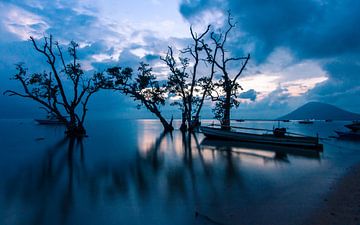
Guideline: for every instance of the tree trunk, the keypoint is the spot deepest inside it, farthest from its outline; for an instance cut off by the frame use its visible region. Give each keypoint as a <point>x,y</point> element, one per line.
<point>227,106</point>
<point>75,130</point>
<point>167,126</point>
<point>197,115</point>
<point>189,112</point>
<point>183,126</point>
<point>74,127</point>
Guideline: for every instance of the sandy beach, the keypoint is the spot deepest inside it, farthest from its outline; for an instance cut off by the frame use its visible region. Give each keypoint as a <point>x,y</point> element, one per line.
<point>342,205</point>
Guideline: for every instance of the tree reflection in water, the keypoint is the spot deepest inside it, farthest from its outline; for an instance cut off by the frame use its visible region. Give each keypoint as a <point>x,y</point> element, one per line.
<point>58,170</point>
<point>175,176</point>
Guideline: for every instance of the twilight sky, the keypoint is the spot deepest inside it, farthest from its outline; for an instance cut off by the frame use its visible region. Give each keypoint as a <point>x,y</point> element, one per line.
<point>301,51</point>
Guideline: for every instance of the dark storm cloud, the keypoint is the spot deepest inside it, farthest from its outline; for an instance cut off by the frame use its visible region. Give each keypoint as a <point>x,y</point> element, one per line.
<point>250,94</point>
<point>325,31</point>
<point>276,103</point>
<point>151,57</point>
<point>192,7</point>
<point>343,86</point>
<point>311,28</point>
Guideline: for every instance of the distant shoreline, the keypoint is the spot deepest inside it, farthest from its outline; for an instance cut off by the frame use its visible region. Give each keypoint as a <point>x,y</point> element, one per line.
<point>175,118</point>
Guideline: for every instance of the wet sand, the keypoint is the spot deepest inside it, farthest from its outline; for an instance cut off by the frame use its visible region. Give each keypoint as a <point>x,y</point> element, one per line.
<point>342,205</point>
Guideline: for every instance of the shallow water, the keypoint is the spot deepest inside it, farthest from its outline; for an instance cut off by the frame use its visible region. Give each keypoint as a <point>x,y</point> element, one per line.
<point>128,172</point>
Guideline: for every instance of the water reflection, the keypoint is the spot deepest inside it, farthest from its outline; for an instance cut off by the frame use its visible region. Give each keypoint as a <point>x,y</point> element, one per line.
<point>266,152</point>
<point>49,186</point>
<point>170,179</point>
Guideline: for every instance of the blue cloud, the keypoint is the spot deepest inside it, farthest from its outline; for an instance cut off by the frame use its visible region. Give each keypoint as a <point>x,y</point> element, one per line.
<point>343,86</point>
<point>323,31</point>
<point>151,57</point>
<point>312,29</point>
<point>250,94</point>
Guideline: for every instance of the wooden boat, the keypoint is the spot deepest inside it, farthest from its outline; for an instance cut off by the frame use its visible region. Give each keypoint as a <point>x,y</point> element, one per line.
<point>50,120</point>
<point>354,132</point>
<point>306,122</point>
<point>355,126</point>
<point>349,135</point>
<point>278,137</point>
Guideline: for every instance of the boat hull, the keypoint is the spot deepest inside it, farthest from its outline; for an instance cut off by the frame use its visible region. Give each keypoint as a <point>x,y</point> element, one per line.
<point>354,127</point>
<point>306,122</point>
<point>304,142</point>
<point>348,135</point>
<point>49,122</point>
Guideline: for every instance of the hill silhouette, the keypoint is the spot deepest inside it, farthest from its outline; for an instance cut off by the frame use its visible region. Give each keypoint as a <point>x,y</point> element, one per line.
<point>320,111</point>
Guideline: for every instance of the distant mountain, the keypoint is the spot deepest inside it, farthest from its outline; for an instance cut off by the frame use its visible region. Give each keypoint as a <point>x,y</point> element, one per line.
<point>320,111</point>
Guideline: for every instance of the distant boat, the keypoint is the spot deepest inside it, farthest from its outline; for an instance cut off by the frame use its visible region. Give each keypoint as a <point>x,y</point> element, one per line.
<point>286,121</point>
<point>348,135</point>
<point>355,126</point>
<point>279,136</point>
<point>354,132</point>
<point>306,122</point>
<point>50,120</point>
<point>240,120</point>
<point>328,120</point>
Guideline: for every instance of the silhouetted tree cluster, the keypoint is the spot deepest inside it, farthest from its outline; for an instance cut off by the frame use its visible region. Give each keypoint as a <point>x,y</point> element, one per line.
<point>144,88</point>
<point>177,85</point>
<point>208,48</point>
<point>186,82</point>
<point>225,90</point>
<point>68,104</point>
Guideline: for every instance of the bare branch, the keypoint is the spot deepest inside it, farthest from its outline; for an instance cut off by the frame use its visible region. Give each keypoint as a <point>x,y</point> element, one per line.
<point>12,93</point>
<point>61,57</point>
<point>242,69</point>
<point>235,59</point>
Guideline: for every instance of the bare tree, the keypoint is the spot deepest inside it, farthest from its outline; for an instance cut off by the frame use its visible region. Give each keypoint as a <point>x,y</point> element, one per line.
<point>177,83</point>
<point>144,88</point>
<point>186,84</point>
<point>68,104</point>
<point>225,90</point>
<point>206,82</point>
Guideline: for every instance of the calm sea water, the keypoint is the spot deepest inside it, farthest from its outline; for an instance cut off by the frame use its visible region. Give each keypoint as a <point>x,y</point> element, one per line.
<point>128,172</point>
